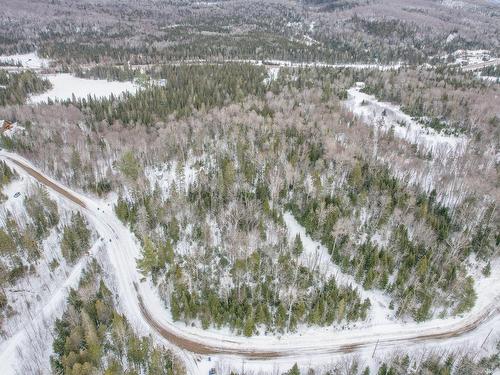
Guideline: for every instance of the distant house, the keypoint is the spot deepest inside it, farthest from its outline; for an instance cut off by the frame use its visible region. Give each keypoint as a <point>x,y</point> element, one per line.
<point>5,125</point>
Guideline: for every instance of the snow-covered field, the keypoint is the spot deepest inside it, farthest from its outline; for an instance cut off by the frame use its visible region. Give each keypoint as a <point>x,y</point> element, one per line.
<point>65,86</point>
<point>28,60</point>
<point>385,116</point>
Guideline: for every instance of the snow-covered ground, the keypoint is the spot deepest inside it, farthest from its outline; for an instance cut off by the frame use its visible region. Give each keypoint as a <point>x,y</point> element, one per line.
<point>291,64</point>
<point>288,64</point>
<point>311,346</point>
<point>39,297</point>
<point>16,128</point>
<point>172,174</point>
<point>489,78</point>
<point>385,116</point>
<point>28,60</point>
<point>315,256</point>
<point>272,74</point>
<point>471,56</point>
<point>65,86</point>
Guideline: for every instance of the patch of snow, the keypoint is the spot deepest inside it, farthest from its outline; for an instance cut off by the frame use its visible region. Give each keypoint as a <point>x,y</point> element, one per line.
<point>205,3</point>
<point>65,86</point>
<point>168,175</point>
<point>310,41</point>
<point>451,37</point>
<point>28,60</point>
<point>471,56</point>
<point>272,74</point>
<point>294,25</point>
<point>489,78</point>
<point>457,4</point>
<point>16,128</point>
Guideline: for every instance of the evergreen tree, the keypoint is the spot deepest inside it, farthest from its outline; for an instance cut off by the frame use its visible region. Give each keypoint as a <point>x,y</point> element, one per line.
<point>149,258</point>
<point>129,165</point>
<point>298,248</point>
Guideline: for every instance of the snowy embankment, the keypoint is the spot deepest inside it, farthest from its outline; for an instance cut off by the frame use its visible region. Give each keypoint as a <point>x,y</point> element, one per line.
<point>32,291</point>
<point>65,86</point>
<point>311,347</point>
<point>35,335</point>
<point>386,116</point>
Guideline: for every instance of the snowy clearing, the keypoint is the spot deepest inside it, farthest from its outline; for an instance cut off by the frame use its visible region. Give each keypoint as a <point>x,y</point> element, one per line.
<point>28,60</point>
<point>272,74</point>
<point>385,116</point>
<point>65,86</point>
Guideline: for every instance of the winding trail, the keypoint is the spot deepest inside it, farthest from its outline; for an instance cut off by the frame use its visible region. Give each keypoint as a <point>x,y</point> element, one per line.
<point>144,309</point>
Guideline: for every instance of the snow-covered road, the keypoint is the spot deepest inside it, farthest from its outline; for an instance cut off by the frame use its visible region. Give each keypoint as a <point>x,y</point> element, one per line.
<point>144,309</point>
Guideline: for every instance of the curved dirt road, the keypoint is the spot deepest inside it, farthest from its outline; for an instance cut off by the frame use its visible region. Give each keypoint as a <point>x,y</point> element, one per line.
<point>143,307</point>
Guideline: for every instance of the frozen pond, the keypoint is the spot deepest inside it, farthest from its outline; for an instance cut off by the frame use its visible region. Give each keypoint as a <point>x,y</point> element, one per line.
<point>66,85</point>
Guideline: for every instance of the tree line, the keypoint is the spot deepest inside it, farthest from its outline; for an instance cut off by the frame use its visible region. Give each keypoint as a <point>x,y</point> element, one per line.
<point>16,87</point>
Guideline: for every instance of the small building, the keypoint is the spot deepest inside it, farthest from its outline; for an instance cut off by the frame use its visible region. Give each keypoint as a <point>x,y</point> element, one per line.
<point>6,125</point>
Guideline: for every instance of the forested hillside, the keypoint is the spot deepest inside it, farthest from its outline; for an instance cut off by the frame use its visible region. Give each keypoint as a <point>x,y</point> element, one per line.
<point>293,150</point>
<point>331,31</point>
<point>249,187</point>
<point>93,337</point>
